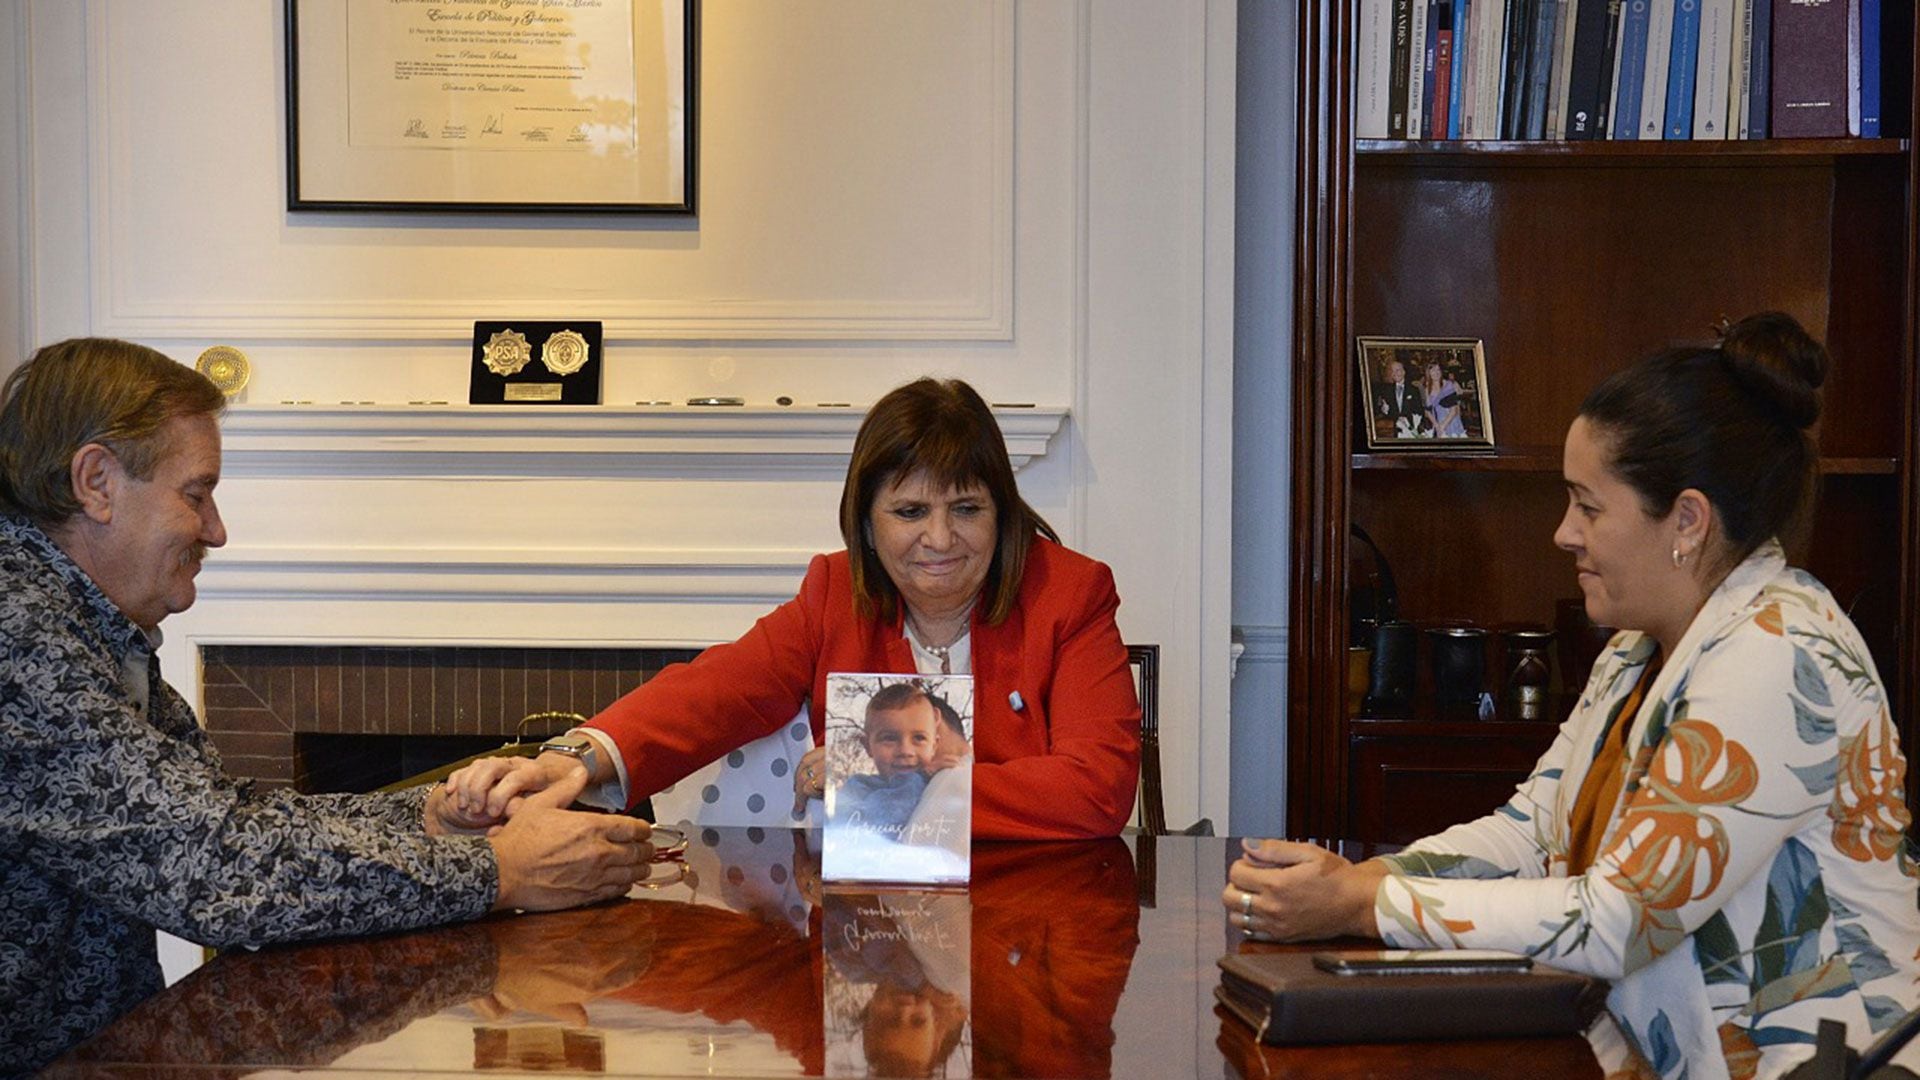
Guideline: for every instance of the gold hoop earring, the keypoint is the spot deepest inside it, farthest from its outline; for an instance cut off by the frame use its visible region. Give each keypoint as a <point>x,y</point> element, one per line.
<point>1679,560</point>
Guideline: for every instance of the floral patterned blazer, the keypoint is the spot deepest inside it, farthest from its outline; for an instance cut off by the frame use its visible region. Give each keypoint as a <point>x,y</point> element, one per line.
<point>1752,878</point>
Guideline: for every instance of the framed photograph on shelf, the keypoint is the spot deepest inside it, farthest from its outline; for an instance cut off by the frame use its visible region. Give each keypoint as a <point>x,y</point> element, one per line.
<point>1425,393</point>
<point>467,106</point>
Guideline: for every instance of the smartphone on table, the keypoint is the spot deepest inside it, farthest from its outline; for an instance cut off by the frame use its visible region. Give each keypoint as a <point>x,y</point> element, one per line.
<point>1421,961</point>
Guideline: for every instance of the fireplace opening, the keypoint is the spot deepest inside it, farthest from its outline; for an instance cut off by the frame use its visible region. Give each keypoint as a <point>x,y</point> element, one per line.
<point>356,763</point>
<point>349,719</point>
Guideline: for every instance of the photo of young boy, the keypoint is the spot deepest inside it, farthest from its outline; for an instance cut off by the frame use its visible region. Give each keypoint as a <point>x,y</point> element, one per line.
<point>899,795</point>
<point>900,737</point>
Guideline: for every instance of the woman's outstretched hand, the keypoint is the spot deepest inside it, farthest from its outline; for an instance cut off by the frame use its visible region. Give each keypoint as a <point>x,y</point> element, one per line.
<point>485,793</point>
<point>1300,892</point>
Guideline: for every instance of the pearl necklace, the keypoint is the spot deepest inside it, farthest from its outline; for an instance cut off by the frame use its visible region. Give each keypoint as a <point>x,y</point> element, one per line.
<point>940,652</point>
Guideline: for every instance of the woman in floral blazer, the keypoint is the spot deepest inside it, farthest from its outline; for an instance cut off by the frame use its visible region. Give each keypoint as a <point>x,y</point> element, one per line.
<point>1719,827</point>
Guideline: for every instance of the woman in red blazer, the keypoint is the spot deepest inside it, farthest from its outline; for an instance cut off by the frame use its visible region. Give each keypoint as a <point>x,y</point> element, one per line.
<point>947,570</point>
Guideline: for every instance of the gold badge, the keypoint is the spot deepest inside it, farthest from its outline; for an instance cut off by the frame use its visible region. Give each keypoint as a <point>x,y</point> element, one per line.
<point>506,352</point>
<point>564,353</point>
<point>225,367</point>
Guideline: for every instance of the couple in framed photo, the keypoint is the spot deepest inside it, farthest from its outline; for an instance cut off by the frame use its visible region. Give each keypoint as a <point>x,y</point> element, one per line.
<point>1425,392</point>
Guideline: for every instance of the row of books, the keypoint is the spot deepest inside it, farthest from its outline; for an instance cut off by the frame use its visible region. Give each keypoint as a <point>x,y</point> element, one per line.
<point>1632,69</point>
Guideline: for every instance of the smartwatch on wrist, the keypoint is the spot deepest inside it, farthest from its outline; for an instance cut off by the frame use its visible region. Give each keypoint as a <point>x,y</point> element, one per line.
<point>581,748</point>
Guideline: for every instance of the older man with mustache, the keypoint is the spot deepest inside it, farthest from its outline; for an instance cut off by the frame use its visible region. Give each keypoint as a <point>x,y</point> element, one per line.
<point>115,816</point>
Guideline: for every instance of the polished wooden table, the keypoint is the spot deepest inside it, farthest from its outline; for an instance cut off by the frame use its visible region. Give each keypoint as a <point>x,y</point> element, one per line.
<point>1075,960</point>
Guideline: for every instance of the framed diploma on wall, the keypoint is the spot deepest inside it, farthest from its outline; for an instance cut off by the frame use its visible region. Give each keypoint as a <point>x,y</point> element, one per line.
<point>581,106</point>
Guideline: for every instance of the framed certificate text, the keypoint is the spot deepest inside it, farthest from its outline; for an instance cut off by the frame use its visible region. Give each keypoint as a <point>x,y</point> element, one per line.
<point>507,105</point>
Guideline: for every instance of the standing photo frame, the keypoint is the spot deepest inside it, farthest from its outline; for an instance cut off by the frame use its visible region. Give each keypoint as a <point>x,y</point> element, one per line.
<point>471,106</point>
<point>1424,393</point>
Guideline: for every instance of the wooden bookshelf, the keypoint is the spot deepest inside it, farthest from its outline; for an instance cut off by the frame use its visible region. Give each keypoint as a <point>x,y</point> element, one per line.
<point>1547,459</point>
<point>1628,153</point>
<point>1569,260</point>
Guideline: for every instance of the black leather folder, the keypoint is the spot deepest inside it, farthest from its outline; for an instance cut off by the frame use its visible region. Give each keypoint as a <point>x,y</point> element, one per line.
<point>1288,1000</point>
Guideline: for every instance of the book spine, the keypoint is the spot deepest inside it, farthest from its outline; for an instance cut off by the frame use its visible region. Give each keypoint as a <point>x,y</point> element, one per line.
<point>1442,73</point>
<point>1562,84</point>
<point>1742,70</point>
<point>1855,68</point>
<point>1370,71</point>
<point>1809,69</point>
<point>1760,77</point>
<point>1427,62</point>
<point>1490,31</point>
<point>1870,84</point>
<point>1467,62</point>
<point>1681,67</point>
<point>1609,72</point>
<point>1715,70</point>
<point>1457,70</point>
<point>1630,76</point>
<point>1896,68</point>
<point>1513,78</point>
<point>1586,78</point>
<point>1653,92</point>
<point>1540,69</point>
<point>1555,91</point>
<point>1416,70</point>
<point>1397,71</point>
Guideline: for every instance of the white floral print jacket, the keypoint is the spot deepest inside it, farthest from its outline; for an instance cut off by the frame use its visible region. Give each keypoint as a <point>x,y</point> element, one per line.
<point>1753,877</point>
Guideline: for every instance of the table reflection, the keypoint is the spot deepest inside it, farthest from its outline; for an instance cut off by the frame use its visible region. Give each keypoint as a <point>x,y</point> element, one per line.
<point>722,972</point>
<point>898,995</point>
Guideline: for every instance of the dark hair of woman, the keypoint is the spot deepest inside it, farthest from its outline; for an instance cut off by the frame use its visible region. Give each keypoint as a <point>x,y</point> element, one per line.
<point>1733,420</point>
<point>945,429</point>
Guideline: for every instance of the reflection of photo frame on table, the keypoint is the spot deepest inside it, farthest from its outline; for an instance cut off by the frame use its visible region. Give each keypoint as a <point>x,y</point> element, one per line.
<point>474,105</point>
<point>1443,409</point>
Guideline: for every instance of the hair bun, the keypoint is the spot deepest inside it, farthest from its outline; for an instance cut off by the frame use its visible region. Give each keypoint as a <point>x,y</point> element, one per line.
<point>1779,363</point>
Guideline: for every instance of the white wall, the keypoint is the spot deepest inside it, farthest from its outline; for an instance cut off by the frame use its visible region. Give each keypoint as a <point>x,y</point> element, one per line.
<point>1037,197</point>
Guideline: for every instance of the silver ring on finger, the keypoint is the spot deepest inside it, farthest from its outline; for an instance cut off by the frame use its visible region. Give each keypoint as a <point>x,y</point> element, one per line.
<point>1246,904</point>
<point>1246,921</point>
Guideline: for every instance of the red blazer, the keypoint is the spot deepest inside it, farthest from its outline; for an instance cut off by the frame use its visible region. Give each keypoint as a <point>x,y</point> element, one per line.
<point>1065,766</point>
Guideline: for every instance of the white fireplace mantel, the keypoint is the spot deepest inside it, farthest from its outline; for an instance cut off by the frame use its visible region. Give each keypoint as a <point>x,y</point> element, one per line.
<point>583,441</point>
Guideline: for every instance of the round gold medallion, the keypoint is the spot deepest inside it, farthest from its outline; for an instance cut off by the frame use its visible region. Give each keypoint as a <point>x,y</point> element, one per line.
<point>225,367</point>
<point>564,353</point>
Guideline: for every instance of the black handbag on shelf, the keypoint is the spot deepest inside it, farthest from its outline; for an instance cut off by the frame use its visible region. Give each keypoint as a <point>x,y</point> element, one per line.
<point>1372,598</point>
<point>1373,604</point>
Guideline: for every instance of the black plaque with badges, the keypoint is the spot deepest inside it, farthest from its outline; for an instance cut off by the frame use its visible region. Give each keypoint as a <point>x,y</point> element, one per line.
<point>519,362</point>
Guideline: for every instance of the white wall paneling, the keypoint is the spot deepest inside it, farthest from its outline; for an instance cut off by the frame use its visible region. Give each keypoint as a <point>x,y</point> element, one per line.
<point>798,236</point>
<point>1029,196</point>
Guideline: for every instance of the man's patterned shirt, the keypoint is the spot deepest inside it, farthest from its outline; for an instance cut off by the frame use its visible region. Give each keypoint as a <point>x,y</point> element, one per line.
<point>115,822</point>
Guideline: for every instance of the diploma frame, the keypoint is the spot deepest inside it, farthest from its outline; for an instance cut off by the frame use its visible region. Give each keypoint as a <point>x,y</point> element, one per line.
<point>326,173</point>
